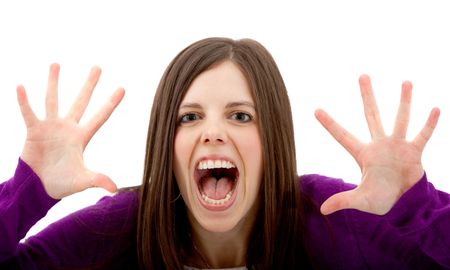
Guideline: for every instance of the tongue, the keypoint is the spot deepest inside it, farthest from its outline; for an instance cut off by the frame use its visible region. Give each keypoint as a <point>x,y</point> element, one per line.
<point>216,189</point>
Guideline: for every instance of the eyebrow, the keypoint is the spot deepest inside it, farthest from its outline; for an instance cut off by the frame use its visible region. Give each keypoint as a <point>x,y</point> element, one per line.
<point>190,105</point>
<point>229,105</point>
<point>240,103</point>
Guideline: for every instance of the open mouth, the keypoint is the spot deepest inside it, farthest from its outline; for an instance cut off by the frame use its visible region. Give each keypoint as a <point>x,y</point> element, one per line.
<point>216,181</point>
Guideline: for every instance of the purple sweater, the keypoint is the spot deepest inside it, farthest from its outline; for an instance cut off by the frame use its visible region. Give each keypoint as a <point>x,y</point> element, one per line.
<point>415,234</point>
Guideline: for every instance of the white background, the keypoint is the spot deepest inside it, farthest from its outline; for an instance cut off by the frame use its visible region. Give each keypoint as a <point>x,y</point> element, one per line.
<point>321,48</point>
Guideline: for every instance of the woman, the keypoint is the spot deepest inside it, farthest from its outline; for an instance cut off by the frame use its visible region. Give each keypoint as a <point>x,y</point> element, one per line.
<point>220,187</point>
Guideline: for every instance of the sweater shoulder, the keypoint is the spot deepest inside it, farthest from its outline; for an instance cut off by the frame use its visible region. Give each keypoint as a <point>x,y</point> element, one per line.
<point>93,235</point>
<point>114,215</point>
<point>111,214</point>
<point>319,187</point>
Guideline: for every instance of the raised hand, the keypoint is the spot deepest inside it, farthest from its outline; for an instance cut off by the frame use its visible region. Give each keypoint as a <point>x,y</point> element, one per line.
<point>390,165</point>
<point>54,146</point>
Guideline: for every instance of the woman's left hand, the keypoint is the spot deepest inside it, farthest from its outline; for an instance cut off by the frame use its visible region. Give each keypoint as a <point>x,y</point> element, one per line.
<point>390,165</point>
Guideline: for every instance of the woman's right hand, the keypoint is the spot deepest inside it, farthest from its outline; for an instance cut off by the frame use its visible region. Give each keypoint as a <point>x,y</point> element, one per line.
<point>54,146</point>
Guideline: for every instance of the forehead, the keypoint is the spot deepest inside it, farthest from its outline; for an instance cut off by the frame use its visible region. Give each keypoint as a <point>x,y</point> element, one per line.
<point>224,82</point>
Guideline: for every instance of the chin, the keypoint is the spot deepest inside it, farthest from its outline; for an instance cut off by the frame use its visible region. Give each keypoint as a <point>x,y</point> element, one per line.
<point>218,225</point>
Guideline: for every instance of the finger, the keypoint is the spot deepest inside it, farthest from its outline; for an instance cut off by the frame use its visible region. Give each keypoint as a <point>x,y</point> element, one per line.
<point>402,121</point>
<point>425,134</point>
<point>105,112</point>
<point>371,108</point>
<point>339,201</point>
<point>91,179</point>
<point>346,139</point>
<point>51,101</point>
<point>103,181</point>
<point>82,101</point>
<point>27,113</point>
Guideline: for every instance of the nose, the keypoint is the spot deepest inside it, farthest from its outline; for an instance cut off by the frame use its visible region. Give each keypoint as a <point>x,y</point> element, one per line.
<point>214,134</point>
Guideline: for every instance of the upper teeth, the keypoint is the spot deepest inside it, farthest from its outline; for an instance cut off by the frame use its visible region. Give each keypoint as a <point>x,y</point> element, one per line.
<point>214,164</point>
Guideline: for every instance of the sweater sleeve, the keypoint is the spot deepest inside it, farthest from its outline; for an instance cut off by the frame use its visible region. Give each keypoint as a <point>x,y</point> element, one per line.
<point>23,202</point>
<point>415,232</point>
<point>413,235</point>
<point>100,236</point>
<point>423,215</point>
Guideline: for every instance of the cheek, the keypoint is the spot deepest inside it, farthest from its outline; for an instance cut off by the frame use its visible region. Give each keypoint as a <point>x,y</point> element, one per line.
<point>251,150</point>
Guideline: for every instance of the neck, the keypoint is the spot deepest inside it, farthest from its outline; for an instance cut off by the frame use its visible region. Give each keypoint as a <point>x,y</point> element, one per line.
<point>221,249</point>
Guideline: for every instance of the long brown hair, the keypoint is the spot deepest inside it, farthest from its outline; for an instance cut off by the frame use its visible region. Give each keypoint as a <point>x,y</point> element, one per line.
<point>277,237</point>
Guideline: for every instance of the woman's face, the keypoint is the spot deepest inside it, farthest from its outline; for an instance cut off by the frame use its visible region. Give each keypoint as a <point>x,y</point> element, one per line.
<point>218,156</point>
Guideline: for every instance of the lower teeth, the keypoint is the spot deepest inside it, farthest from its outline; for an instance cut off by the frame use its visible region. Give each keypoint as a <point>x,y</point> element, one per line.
<point>217,202</point>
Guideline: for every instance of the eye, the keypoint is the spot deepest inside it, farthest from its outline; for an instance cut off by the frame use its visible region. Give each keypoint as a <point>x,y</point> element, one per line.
<point>188,117</point>
<point>242,117</point>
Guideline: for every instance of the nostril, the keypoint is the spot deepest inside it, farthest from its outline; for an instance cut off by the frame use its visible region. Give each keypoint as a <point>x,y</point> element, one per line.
<point>214,137</point>
<point>216,140</point>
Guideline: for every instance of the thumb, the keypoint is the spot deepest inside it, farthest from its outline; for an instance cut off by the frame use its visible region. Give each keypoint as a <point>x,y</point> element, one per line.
<point>103,181</point>
<point>338,201</point>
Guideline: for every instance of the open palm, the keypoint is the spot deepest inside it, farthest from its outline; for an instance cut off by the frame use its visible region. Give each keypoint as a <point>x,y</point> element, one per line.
<point>390,165</point>
<point>54,146</point>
